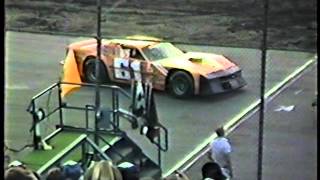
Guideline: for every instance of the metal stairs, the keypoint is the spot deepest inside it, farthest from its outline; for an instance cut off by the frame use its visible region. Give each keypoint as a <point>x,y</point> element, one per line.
<point>125,150</point>
<point>76,143</point>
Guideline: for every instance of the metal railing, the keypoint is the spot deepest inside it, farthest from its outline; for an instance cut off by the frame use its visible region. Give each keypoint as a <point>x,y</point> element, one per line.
<point>117,112</point>
<point>34,110</point>
<point>80,141</point>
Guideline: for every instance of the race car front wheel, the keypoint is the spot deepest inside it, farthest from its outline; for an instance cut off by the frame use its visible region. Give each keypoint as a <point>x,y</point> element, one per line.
<point>181,84</point>
<point>90,71</point>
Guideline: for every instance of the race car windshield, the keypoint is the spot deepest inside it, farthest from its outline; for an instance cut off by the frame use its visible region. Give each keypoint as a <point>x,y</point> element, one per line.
<point>161,51</point>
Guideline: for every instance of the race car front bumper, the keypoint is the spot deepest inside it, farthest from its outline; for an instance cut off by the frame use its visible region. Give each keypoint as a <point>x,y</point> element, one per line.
<point>221,83</point>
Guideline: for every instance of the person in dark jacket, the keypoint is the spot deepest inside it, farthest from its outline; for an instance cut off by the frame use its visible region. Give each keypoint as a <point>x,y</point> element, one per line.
<point>212,171</point>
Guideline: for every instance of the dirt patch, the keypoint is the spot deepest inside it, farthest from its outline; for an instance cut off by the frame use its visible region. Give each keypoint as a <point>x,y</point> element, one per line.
<point>292,24</point>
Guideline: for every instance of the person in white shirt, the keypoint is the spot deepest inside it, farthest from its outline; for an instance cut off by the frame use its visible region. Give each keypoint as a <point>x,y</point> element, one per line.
<point>220,152</point>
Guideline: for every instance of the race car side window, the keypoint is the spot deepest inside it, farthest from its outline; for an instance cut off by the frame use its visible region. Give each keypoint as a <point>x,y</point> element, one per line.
<point>131,52</point>
<point>136,54</point>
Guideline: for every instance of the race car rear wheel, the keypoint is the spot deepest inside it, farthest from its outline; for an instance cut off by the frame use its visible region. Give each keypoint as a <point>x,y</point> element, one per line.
<point>90,71</point>
<point>181,84</point>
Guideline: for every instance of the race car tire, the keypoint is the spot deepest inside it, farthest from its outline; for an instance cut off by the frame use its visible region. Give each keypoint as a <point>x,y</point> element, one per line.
<point>90,72</point>
<point>181,84</point>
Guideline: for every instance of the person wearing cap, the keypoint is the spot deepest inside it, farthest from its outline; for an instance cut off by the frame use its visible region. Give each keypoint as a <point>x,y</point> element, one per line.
<point>220,152</point>
<point>72,170</point>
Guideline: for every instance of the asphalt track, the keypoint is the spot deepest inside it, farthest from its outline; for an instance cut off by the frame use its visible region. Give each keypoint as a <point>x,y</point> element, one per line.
<point>290,138</point>
<point>32,64</point>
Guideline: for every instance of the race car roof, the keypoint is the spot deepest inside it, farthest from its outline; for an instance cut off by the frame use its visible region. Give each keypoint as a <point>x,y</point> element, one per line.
<point>126,42</point>
<point>135,43</point>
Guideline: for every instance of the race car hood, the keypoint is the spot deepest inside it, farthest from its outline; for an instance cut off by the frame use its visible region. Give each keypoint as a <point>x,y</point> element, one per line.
<point>196,62</point>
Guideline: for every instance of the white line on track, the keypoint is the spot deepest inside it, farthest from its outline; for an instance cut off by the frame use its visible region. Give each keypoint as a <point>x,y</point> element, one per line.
<point>17,87</point>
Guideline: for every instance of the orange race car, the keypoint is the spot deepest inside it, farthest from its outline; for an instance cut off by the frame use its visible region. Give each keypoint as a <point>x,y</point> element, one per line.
<point>167,67</point>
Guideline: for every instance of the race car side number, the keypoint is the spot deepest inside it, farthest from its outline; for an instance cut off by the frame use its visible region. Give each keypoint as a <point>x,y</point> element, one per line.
<point>135,66</point>
<point>120,66</point>
<point>122,69</point>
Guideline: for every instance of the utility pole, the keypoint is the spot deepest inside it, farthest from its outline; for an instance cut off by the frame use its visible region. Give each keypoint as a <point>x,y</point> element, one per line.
<point>97,74</point>
<point>262,87</point>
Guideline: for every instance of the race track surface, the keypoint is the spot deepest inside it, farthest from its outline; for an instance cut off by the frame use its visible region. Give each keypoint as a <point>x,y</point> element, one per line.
<point>32,64</point>
<point>290,137</point>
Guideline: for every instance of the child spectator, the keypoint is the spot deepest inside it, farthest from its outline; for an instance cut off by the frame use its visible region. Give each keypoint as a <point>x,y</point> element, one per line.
<point>103,170</point>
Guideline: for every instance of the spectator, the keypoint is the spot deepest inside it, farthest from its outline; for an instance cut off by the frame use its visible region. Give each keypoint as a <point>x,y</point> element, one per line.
<point>212,171</point>
<point>129,171</point>
<point>103,170</point>
<point>20,172</point>
<point>220,152</point>
<point>55,174</point>
<point>72,170</point>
